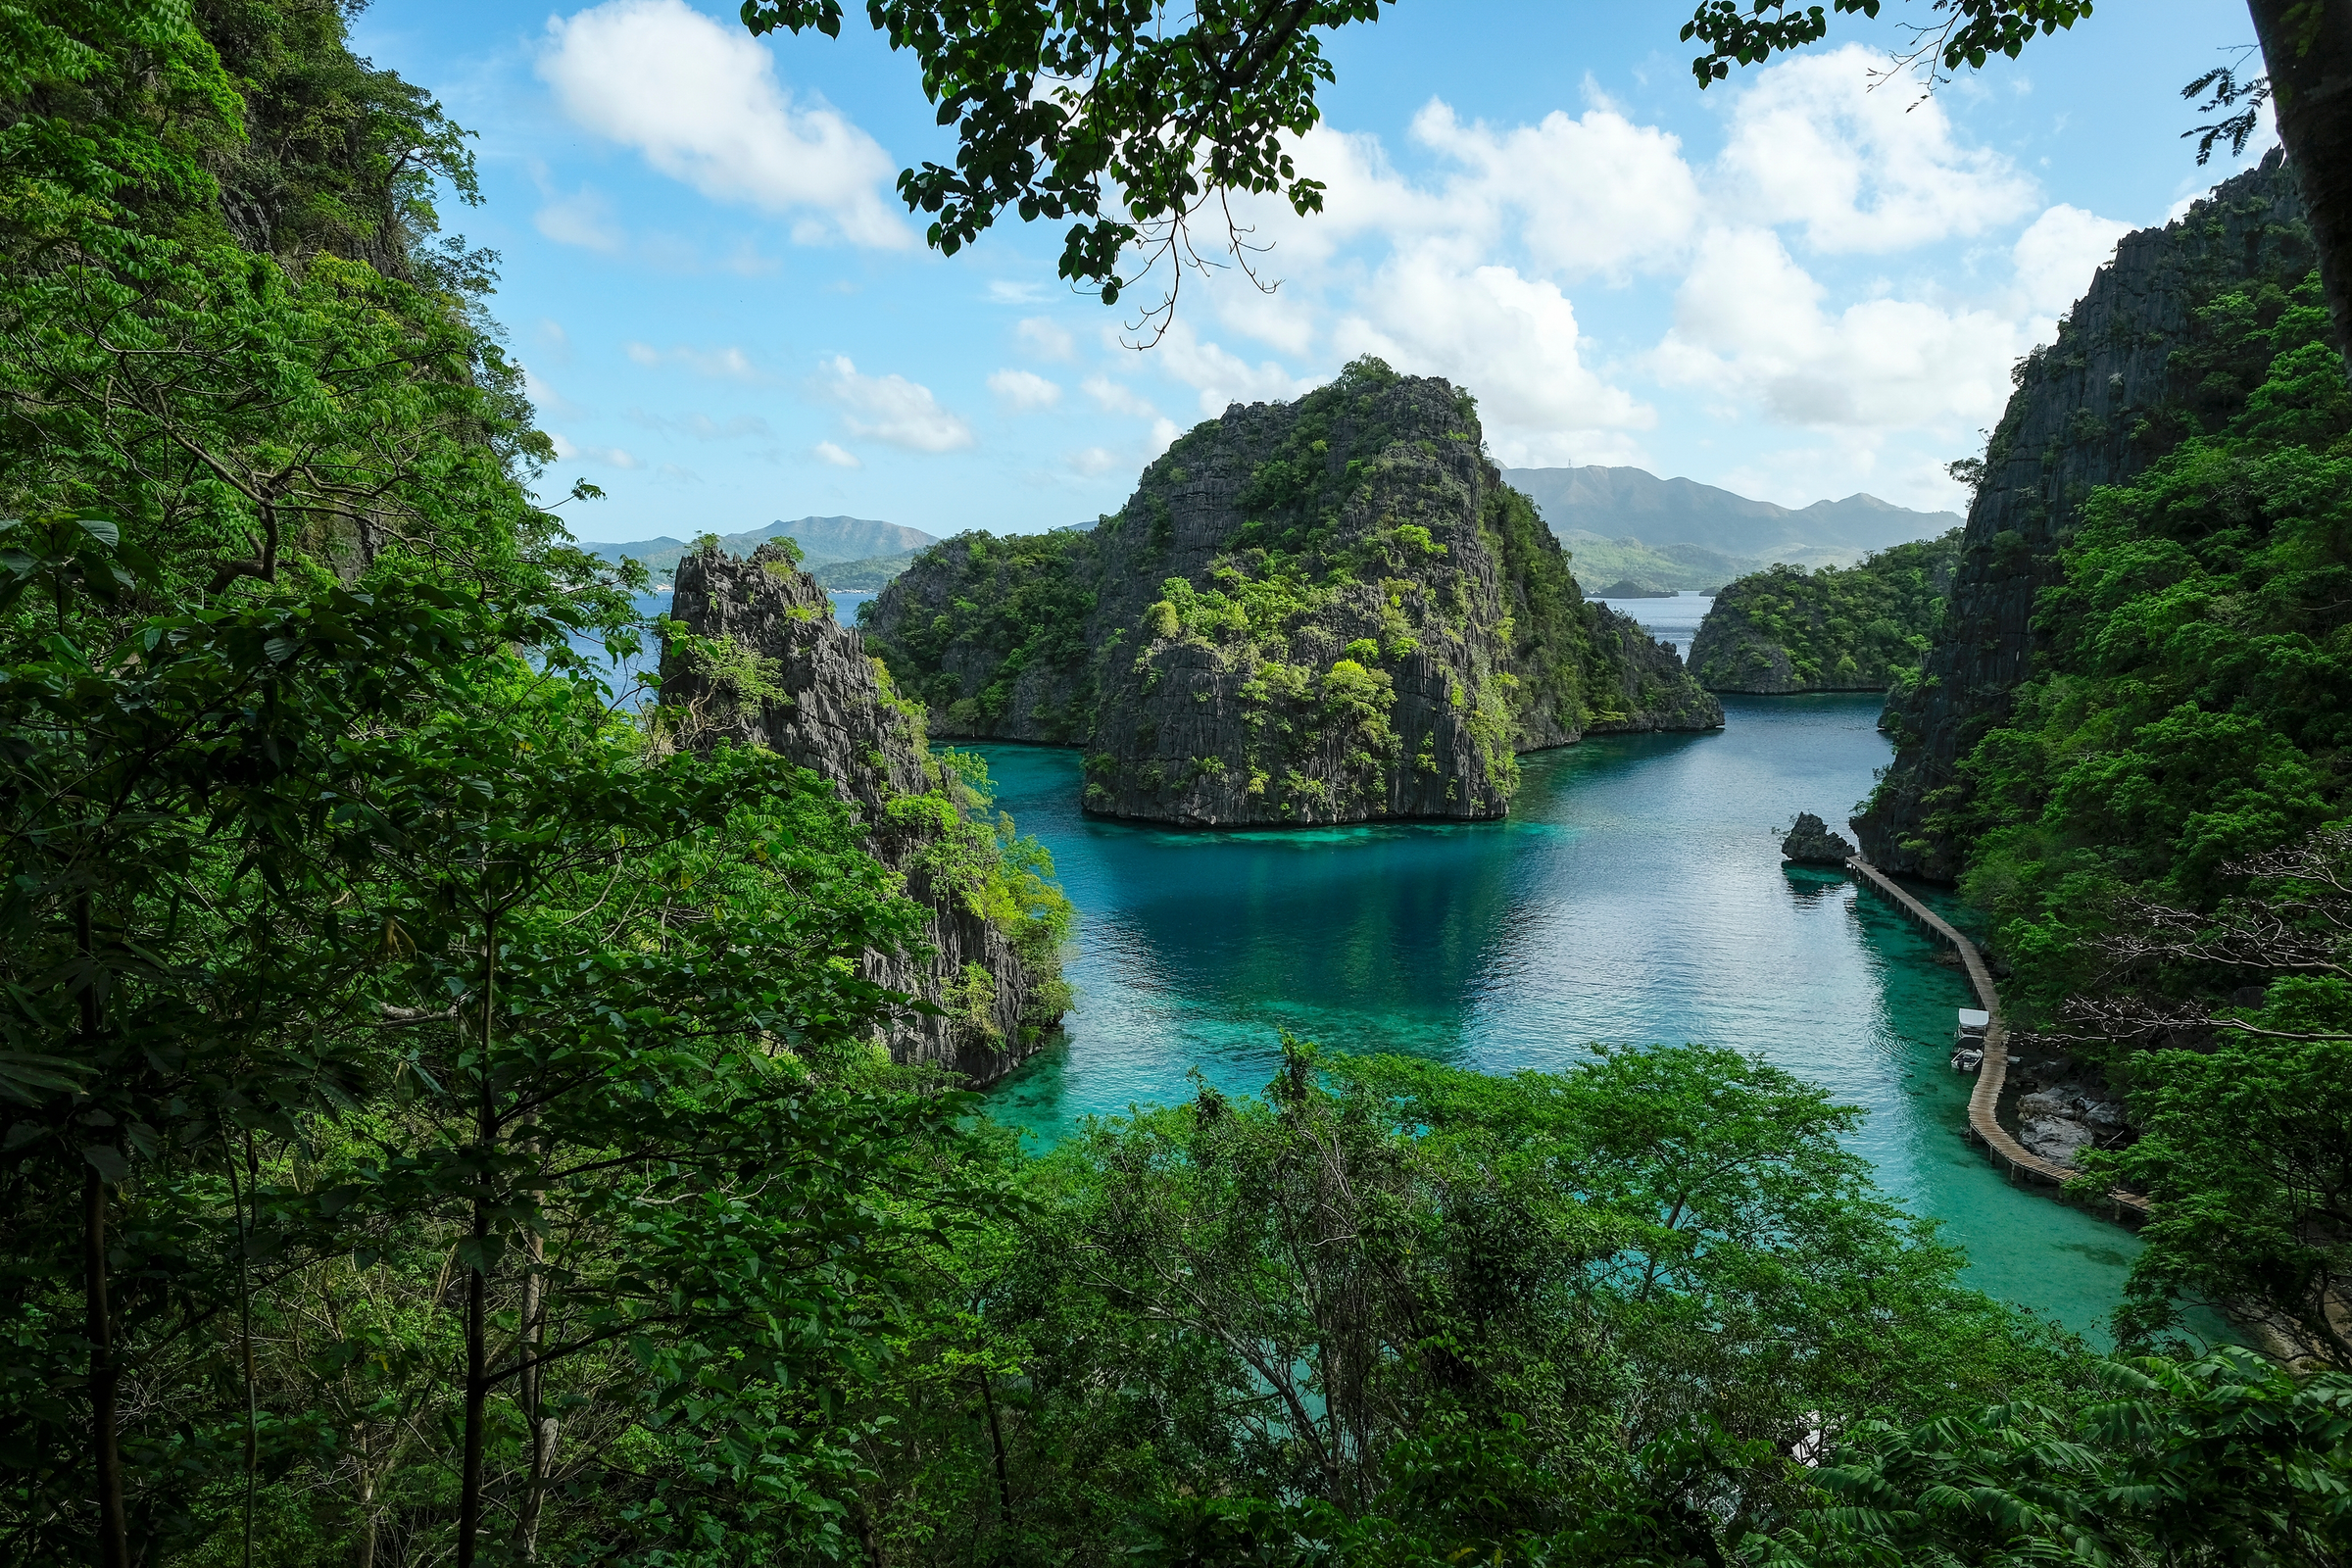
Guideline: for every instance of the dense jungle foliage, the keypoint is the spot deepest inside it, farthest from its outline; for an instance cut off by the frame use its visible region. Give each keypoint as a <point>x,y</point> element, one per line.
<point>2156,830</point>
<point>1007,606</point>
<point>445,1121</point>
<point>1863,627</point>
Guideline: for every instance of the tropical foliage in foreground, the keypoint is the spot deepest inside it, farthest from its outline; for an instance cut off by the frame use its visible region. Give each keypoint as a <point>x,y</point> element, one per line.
<point>445,1121</point>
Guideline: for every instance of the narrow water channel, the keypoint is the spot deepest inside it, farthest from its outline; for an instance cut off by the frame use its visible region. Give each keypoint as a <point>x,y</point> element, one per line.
<point>1636,895</point>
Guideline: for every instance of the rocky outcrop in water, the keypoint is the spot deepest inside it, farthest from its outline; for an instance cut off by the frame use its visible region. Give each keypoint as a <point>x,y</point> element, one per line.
<point>1811,843</point>
<point>2094,407</point>
<point>1329,611</point>
<point>772,628</point>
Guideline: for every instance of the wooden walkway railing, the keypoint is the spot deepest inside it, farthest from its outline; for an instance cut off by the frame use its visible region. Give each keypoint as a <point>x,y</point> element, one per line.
<point>1983,1124</point>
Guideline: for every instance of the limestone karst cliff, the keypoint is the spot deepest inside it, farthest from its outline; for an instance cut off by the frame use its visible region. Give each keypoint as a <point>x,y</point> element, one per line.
<point>2094,407</point>
<point>781,672</point>
<point>1859,628</point>
<point>1327,610</point>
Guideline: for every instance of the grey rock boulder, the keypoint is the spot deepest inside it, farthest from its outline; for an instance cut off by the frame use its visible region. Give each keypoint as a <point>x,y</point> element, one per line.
<point>1811,843</point>
<point>2060,1121</point>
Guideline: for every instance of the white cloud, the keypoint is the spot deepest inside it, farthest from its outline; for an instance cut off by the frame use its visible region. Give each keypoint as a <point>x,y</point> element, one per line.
<point>1092,460</point>
<point>727,364</point>
<point>679,476</point>
<point>553,338</point>
<point>2059,253</point>
<point>1863,171</point>
<point>583,218</point>
<point>1511,340</point>
<point>1220,375</point>
<point>1045,340</point>
<point>612,457</point>
<point>1749,323</point>
<point>1114,397</point>
<point>1595,194</point>
<point>838,456</point>
<point>893,409</point>
<point>701,103</point>
<point>1024,391</point>
<point>546,399</point>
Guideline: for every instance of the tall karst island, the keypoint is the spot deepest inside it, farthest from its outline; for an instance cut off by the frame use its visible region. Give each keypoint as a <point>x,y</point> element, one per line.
<point>1327,610</point>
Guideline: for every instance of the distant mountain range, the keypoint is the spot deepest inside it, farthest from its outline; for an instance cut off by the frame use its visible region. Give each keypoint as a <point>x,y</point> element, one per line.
<point>823,541</point>
<point>1632,506</point>
<point>1622,526</point>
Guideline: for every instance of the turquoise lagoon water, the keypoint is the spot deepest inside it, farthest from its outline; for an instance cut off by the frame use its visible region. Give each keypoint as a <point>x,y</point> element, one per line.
<point>1636,895</point>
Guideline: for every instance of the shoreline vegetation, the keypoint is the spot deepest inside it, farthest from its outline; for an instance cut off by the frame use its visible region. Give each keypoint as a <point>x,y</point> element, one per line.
<point>458,1113</point>
<point>1857,628</point>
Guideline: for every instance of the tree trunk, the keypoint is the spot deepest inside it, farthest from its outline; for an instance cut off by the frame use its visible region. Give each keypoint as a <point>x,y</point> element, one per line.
<point>477,1391</point>
<point>367,1514</point>
<point>533,1391</point>
<point>477,1286</point>
<point>2307,48</point>
<point>996,1441</point>
<point>114,1530</point>
<point>106,1443</point>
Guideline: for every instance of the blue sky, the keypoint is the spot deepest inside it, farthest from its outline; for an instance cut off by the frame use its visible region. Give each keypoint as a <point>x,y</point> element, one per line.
<point>1791,285</point>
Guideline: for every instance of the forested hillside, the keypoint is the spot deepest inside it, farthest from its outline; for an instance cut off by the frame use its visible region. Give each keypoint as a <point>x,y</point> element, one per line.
<point>2141,688</point>
<point>1861,628</point>
<point>450,1117</point>
<point>428,1083</point>
<point>2157,827</point>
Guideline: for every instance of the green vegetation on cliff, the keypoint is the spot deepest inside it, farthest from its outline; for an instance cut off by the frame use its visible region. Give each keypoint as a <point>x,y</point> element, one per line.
<point>2134,826</point>
<point>1863,627</point>
<point>444,1120</point>
<point>1326,611</point>
<point>1004,606</point>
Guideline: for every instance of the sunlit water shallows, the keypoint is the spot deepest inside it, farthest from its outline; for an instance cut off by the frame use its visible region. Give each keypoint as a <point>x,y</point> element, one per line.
<point>1636,894</point>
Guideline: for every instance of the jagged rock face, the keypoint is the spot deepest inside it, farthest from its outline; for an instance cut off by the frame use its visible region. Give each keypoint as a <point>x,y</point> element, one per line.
<point>1732,655</point>
<point>838,719</point>
<point>1637,683</point>
<point>1811,843</point>
<point>1331,611</point>
<point>2093,409</point>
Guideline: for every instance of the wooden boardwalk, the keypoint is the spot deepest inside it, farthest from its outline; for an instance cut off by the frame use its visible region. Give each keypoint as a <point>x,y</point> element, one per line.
<point>1983,1124</point>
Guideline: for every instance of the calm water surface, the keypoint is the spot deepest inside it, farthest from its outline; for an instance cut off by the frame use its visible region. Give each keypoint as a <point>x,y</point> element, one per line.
<point>1636,895</point>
